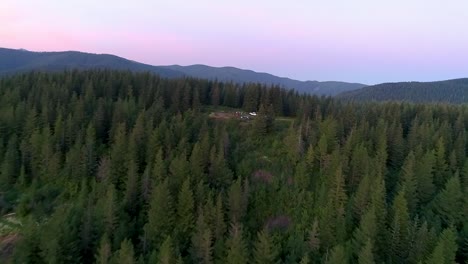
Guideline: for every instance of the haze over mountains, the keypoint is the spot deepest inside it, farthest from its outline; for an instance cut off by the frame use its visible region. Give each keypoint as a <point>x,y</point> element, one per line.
<point>15,61</point>
<point>238,75</point>
<point>451,91</point>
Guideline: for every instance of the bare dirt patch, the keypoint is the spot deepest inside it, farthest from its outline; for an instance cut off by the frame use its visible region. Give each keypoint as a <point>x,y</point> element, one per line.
<point>7,245</point>
<point>238,115</point>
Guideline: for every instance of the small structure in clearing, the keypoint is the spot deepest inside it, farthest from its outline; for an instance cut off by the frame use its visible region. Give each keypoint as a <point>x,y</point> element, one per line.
<point>232,115</point>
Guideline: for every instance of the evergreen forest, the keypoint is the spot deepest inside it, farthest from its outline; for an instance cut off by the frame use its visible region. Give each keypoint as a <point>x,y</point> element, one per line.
<point>115,167</point>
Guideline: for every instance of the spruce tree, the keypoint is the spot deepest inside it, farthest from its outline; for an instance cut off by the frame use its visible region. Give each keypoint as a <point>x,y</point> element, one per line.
<point>202,242</point>
<point>365,255</point>
<point>337,255</point>
<point>184,211</point>
<point>399,227</point>
<point>104,252</point>
<point>126,254</point>
<point>166,252</point>
<point>409,183</point>
<point>264,251</point>
<point>236,247</point>
<point>446,248</point>
<point>160,215</point>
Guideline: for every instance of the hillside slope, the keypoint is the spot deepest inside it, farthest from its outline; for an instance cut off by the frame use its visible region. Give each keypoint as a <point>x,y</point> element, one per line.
<point>450,91</point>
<point>17,61</point>
<point>227,74</point>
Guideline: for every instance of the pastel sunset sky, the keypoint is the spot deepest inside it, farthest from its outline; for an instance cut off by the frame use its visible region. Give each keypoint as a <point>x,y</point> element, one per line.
<point>365,41</point>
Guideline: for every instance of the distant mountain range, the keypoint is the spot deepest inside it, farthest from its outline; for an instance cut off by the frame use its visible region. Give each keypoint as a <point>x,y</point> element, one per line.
<point>450,91</point>
<point>241,76</point>
<point>16,61</point>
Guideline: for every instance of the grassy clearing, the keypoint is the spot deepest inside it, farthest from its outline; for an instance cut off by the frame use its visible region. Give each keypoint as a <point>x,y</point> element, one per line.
<point>210,108</point>
<point>9,224</point>
<point>284,119</point>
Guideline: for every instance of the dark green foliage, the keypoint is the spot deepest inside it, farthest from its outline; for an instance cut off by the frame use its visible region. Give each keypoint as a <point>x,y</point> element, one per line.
<point>264,249</point>
<point>236,246</point>
<point>366,255</point>
<point>445,249</point>
<point>337,256</point>
<point>452,91</point>
<point>115,167</point>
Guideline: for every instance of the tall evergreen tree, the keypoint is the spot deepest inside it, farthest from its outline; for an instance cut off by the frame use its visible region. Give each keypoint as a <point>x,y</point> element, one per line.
<point>337,256</point>
<point>236,247</point>
<point>264,249</point>
<point>399,228</point>
<point>160,215</point>
<point>445,250</point>
<point>125,255</point>
<point>366,255</point>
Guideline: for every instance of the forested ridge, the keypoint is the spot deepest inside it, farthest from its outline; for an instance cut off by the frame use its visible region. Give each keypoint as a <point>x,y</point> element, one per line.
<point>120,167</point>
<point>450,91</point>
<point>21,61</point>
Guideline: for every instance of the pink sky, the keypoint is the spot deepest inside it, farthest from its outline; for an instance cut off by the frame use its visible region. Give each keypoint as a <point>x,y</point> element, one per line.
<point>362,41</point>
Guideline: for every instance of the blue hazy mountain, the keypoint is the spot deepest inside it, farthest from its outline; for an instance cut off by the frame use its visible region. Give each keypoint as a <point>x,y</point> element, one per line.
<point>18,60</point>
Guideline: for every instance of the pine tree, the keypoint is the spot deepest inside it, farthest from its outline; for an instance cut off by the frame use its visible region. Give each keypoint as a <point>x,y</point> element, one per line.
<point>104,252</point>
<point>197,162</point>
<point>424,175</point>
<point>184,211</point>
<point>337,256</point>
<point>236,208</point>
<point>236,247</point>
<point>158,171</point>
<point>437,256</point>
<point>90,155</point>
<point>27,250</point>
<point>305,259</point>
<point>445,250</point>
<point>399,226</point>
<point>421,244</point>
<point>166,252</point>
<point>107,209</point>
<point>251,98</point>
<point>395,146</point>
<point>365,255</point>
<point>219,219</point>
<point>336,208</point>
<point>125,255</point>
<point>179,170</point>
<point>381,146</point>
<point>202,242</point>
<point>264,249</point>
<point>10,166</point>
<point>260,124</point>
<point>448,204</point>
<point>294,143</point>
<point>378,203</point>
<point>215,95</point>
<point>409,183</point>
<point>367,231</point>
<point>160,215</point>
<point>362,199</point>
<point>118,157</point>
<point>131,188</point>
<point>358,166</point>
<point>314,237</point>
<point>440,169</point>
